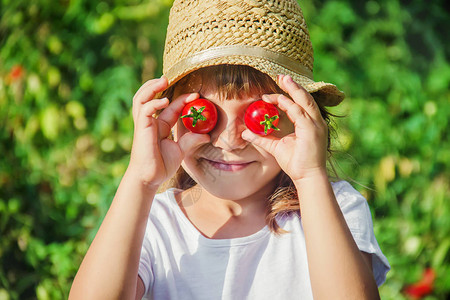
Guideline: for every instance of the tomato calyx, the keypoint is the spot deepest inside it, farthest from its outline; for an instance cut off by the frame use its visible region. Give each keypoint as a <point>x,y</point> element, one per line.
<point>196,115</point>
<point>268,123</point>
<point>199,116</point>
<point>261,117</point>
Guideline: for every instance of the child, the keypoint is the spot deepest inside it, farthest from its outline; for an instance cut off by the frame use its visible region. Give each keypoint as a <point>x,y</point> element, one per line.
<point>245,216</point>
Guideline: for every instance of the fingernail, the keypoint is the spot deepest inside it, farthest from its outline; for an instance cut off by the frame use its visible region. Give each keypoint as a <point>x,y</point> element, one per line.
<point>265,97</point>
<point>289,79</point>
<point>192,97</point>
<point>279,77</point>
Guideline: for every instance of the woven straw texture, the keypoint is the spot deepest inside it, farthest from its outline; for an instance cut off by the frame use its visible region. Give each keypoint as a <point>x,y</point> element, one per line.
<point>274,25</point>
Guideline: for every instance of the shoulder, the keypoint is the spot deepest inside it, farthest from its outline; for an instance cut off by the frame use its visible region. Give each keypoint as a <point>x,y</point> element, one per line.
<point>354,207</point>
<point>357,214</point>
<point>160,229</point>
<point>346,194</point>
<point>164,212</point>
<point>165,224</point>
<point>342,186</point>
<point>165,200</point>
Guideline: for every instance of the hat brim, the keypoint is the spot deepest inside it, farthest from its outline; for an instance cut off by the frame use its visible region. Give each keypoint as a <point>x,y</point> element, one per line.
<point>326,94</point>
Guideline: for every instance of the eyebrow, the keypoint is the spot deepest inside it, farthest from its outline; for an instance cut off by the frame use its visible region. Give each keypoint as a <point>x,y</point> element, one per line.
<point>204,97</point>
<point>220,99</point>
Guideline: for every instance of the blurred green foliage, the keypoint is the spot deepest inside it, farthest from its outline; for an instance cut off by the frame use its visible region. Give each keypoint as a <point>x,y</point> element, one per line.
<point>68,72</point>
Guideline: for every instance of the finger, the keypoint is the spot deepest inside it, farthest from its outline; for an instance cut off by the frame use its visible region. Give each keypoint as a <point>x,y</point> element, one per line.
<point>190,141</point>
<point>171,155</point>
<point>149,89</point>
<point>147,92</point>
<point>300,96</point>
<point>294,112</point>
<point>145,116</point>
<point>170,115</point>
<point>267,143</point>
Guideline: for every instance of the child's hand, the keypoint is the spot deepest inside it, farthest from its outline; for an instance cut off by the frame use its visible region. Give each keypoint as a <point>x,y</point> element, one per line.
<point>302,153</point>
<point>155,157</point>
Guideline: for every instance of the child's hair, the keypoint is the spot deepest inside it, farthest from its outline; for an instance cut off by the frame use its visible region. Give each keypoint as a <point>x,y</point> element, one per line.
<point>231,82</point>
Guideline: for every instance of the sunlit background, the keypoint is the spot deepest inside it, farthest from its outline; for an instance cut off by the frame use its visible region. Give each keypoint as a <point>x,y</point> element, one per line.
<point>68,72</point>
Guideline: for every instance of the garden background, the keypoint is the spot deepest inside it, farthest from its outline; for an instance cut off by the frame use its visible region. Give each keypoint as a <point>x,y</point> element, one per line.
<point>68,72</point>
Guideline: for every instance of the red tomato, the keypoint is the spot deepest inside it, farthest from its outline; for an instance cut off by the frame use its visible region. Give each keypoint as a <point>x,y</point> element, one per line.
<point>261,117</point>
<point>199,116</point>
<point>423,287</point>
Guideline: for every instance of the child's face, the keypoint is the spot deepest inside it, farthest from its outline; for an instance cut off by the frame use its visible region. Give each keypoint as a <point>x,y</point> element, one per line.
<point>228,166</point>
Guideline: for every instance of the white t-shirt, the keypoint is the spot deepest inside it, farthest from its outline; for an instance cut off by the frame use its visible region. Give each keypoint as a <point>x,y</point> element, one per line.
<point>178,262</point>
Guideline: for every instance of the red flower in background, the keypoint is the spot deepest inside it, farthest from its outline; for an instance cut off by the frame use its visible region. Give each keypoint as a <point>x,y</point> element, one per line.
<point>16,73</point>
<point>423,287</point>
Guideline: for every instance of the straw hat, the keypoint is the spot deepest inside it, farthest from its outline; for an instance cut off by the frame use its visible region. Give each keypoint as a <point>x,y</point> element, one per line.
<point>269,35</point>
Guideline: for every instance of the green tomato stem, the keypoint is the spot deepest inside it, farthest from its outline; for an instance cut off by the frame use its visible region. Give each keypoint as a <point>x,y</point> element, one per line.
<point>195,115</point>
<point>268,123</point>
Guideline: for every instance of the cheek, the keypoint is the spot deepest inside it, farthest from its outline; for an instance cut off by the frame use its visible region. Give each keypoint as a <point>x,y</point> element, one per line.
<point>269,170</point>
<point>267,160</point>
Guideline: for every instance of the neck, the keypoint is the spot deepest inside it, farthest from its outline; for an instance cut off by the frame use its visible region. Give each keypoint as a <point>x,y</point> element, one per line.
<point>254,204</point>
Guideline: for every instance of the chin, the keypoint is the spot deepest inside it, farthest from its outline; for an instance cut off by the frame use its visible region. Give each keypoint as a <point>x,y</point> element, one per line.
<point>234,187</point>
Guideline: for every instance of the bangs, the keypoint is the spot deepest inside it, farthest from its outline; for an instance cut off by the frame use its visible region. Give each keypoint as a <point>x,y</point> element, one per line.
<point>231,81</point>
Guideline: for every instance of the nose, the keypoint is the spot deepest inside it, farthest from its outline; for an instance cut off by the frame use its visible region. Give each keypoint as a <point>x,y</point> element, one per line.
<point>228,135</point>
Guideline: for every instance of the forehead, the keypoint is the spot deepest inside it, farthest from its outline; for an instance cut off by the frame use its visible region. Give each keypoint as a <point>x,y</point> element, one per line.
<point>216,93</point>
<point>227,82</point>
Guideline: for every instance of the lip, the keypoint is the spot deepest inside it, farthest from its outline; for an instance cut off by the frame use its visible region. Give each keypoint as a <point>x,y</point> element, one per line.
<point>229,166</point>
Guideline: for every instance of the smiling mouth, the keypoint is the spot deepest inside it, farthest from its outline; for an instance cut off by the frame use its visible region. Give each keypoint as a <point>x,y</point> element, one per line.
<point>230,166</point>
